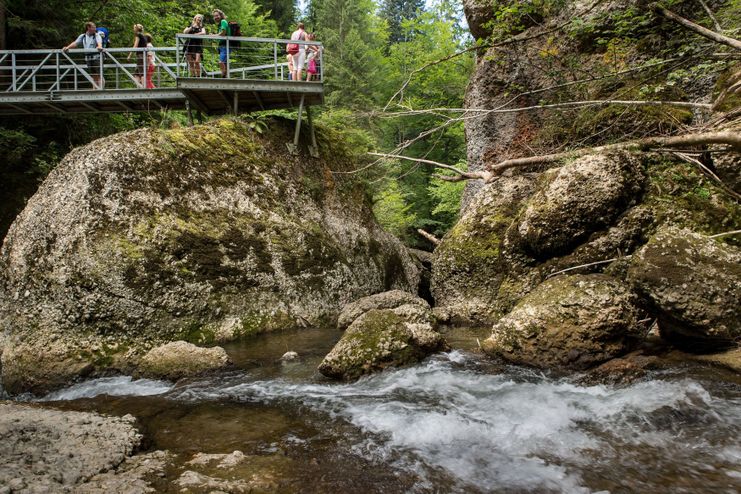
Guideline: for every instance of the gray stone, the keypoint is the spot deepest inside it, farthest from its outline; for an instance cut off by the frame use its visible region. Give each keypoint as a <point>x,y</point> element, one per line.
<point>181,359</point>
<point>386,300</point>
<point>204,234</point>
<point>379,339</point>
<point>53,451</point>
<point>693,284</point>
<point>569,322</point>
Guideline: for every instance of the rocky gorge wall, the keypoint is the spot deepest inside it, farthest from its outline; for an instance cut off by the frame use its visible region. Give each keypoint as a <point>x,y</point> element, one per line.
<point>204,234</point>
<point>508,260</point>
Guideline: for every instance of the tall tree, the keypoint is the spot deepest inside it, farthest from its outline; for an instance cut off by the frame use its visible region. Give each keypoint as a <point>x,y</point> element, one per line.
<point>395,12</point>
<point>283,12</point>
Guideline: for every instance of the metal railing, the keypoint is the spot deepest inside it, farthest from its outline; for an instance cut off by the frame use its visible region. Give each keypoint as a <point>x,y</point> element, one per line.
<point>248,58</point>
<point>152,68</point>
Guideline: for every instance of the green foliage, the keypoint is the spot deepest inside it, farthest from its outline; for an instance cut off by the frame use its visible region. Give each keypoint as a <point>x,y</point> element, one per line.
<point>395,13</point>
<point>513,16</point>
<point>393,211</point>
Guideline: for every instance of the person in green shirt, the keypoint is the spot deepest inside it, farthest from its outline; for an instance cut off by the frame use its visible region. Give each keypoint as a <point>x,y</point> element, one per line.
<point>222,30</point>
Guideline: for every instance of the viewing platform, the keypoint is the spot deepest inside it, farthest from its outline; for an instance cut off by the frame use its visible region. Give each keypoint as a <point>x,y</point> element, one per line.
<point>37,82</point>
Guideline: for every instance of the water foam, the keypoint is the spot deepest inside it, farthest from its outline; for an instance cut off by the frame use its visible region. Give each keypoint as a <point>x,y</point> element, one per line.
<point>113,386</point>
<point>514,431</point>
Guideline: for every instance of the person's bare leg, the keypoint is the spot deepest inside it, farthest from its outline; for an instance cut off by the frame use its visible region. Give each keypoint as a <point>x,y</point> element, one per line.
<point>197,65</point>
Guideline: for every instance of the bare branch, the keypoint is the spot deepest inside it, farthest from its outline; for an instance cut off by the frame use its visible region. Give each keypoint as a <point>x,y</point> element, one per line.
<point>433,239</point>
<point>482,175</point>
<point>725,234</point>
<point>702,31</point>
<point>568,104</point>
<point>712,17</point>
<point>522,37</point>
<point>707,171</point>
<point>597,263</point>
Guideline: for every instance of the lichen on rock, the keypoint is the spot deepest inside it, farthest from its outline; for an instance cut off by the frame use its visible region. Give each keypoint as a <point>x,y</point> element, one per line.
<point>386,300</point>
<point>693,284</point>
<point>569,322</point>
<point>378,339</point>
<point>205,234</point>
<point>181,359</point>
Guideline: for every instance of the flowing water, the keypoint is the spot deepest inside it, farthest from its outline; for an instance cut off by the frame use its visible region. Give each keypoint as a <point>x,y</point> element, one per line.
<point>456,422</point>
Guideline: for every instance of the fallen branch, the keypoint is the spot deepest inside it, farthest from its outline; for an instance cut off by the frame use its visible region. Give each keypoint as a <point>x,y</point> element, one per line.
<point>482,175</point>
<point>725,234</point>
<point>702,31</point>
<point>568,104</point>
<point>597,263</point>
<point>433,239</point>
<point>716,24</point>
<point>707,171</point>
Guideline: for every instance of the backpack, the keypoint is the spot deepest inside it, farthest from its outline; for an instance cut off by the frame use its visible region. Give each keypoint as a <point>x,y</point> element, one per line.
<point>105,36</point>
<point>235,30</point>
<point>292,48</point>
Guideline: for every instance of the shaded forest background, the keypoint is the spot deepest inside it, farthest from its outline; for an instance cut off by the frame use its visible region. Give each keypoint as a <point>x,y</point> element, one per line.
<point>370,49</point>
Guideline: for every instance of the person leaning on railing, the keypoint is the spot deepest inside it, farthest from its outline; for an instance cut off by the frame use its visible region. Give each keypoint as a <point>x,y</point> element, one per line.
<point>90,40</point>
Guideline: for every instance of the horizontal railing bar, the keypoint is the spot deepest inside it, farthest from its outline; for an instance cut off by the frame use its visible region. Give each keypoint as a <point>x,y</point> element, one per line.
<point>241,38</point>
<point>87,51</point>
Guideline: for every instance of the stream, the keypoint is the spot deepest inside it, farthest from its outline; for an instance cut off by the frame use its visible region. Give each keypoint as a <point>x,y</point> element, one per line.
<point>457,422</point>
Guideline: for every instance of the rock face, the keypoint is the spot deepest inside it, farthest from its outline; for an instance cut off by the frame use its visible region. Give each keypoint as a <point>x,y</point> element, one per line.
<point>694,286</point>
<point>181,359</point>
<point>571,322</point>
<point>379,339</point>
<point>478,13</point>
<point>53,451</point>
<point>386,300</point>
<point>201,234</point>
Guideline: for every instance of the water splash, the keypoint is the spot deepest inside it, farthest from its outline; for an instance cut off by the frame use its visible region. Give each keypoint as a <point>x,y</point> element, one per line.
<point>517,431</point>
<point>112,386</point>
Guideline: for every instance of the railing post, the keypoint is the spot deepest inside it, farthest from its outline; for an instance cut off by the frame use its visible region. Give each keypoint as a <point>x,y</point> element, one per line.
<point>275,59</point>
<point>228,56</point>
<point>177,56</point>
<point>59,82</point>
<point>13,70</point>
<point>321,63</point>
<point>145,64</point>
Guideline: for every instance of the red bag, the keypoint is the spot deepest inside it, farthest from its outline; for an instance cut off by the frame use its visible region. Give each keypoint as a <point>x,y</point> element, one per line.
<point>312,67</point>
<point>292,48</point>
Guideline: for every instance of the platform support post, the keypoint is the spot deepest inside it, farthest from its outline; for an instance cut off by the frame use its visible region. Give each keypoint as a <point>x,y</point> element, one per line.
<point>190,112</point>
<point>293,148</point>
<point>313,149</point>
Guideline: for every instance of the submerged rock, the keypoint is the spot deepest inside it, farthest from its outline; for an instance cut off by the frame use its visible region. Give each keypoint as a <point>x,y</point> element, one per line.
<point>379,339</point>
<point>181,359</point>
<point>53,451</point>
<point>414,307</point>
<point>572,322</point>
<point>693,283</point>
<point>204,234</point>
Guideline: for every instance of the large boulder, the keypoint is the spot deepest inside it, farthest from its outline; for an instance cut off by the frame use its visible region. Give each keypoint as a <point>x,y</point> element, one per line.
<point>54,451</point>
<point>569,322</point>
<point>469,266</point>
<point>181,359</point>
<point>478,14</point>
<point>379,339</point>
<point>202,234</point>
<point>387,300</point>
<point>693,284</point>
<point>576,199</point>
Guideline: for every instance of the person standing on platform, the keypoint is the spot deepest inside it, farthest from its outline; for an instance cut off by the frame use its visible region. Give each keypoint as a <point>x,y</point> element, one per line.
<point>150,61</point>
<point>139,42</point>
<point>90,40</point>
<point>299,57</point>
<point>222,30</point>
<point>194,47</point>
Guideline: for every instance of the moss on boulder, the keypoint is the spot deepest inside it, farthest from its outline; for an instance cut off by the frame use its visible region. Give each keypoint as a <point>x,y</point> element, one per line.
<point>417,309</point>
<point>693,284</point>
<point>379,339</point>
<point>202,234</point>
<point>569,322</point>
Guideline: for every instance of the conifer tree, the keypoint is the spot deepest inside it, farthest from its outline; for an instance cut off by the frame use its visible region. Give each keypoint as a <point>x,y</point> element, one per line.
<point>395,12</point>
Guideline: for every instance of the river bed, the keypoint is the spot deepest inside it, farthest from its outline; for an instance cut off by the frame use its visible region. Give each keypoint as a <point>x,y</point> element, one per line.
<point>457,422</point>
